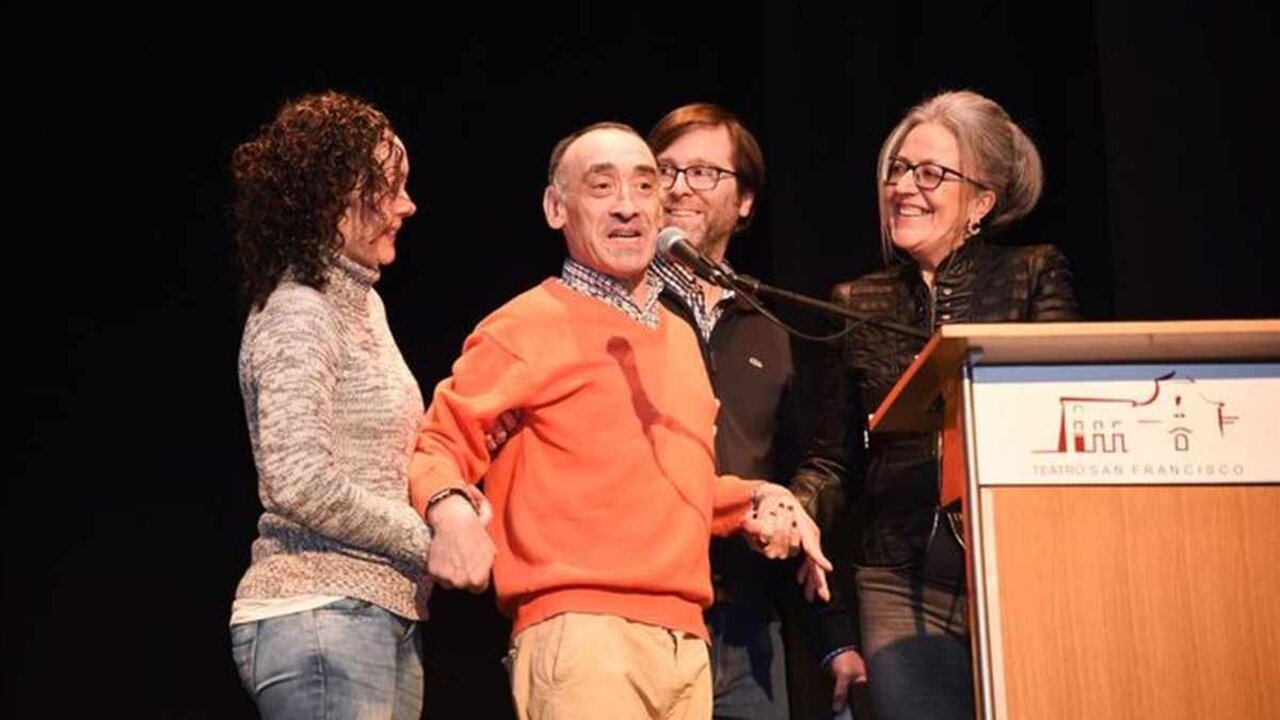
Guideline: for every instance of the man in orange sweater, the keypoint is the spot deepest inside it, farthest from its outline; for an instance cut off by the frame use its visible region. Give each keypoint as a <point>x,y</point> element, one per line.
<point>605,499</point>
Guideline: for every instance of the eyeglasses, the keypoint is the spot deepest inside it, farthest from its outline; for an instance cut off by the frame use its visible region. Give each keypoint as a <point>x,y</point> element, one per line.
<point>928,175</point>
<point>699,177</point>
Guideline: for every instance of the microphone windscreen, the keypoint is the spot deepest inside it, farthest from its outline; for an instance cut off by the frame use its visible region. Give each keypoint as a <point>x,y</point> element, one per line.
<point>668,237</point>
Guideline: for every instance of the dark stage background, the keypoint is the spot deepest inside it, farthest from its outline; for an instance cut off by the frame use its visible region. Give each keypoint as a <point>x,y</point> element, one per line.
<point>129,513</point>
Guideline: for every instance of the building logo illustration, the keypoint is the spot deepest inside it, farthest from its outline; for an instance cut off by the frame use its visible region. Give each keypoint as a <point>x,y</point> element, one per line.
<point>1176,417</point>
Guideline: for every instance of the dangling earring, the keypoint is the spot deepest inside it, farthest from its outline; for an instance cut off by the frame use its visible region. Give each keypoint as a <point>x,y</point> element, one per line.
<point>973,228</point>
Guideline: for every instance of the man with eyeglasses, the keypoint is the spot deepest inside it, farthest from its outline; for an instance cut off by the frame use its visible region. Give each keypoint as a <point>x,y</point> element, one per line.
<point>606,495</point>
<point>711,171</point>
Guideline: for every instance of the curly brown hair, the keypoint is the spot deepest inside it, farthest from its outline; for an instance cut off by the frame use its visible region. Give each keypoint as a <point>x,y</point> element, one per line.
<point>295,179</point>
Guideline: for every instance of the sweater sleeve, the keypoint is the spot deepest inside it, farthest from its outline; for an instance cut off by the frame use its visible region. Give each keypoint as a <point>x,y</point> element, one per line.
<point>293,355</point>
<point>488,379</point>
<point>731,502</point>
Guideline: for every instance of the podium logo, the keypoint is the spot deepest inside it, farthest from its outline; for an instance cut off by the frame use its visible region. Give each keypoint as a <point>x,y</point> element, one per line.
<point>1175,417</point>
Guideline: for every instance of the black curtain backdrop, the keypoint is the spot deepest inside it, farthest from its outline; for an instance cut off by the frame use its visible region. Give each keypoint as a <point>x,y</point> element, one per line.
<point>129,515</point>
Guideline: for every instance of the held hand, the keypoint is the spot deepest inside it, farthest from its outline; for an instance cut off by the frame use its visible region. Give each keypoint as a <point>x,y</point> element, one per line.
<point>772,527</point>
<point>778,528</point>
<point>502,430</point>
<point>847,669</point>
<point>813,577</point>
<point>461,553</point>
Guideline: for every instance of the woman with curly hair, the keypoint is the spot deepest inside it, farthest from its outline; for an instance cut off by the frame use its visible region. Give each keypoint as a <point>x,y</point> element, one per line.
<point>325,620</point>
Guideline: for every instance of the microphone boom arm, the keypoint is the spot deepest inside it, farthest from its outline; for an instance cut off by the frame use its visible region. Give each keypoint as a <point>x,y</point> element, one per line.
<point>672,243</point>
<point>752,286</point>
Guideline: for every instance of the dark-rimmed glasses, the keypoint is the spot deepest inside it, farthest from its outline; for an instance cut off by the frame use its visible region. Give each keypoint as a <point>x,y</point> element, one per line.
<point>699,177</point>
<point>928,175</point>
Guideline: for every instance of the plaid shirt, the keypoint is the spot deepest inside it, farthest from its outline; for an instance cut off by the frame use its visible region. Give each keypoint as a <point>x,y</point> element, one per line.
<point>686,286</point>
<point>605,288</point>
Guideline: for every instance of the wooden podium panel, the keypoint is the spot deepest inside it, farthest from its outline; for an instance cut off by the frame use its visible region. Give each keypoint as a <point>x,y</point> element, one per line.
<point>1120,485</point>
<point>1134,601</point>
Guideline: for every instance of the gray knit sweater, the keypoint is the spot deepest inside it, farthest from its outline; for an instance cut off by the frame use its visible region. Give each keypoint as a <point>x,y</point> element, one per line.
<point>333,414</point>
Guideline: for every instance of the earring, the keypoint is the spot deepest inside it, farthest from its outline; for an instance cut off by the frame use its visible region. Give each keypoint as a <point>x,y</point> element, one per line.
<point>973,228</point>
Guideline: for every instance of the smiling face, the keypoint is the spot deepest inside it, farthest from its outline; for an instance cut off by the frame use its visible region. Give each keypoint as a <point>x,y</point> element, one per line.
<point>605,199</point>
<point>929,224</point>
<point>708,217</point>
<point>369,232</point>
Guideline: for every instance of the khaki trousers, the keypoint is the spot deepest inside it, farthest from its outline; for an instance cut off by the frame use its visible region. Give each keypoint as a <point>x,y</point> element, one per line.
<point>577,666</point>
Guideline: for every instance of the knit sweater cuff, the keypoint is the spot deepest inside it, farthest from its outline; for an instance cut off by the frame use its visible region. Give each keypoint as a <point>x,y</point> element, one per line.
<point>733,498</point>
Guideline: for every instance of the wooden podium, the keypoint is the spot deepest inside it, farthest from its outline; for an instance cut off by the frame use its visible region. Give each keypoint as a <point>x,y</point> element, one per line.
<point>1120,484</point>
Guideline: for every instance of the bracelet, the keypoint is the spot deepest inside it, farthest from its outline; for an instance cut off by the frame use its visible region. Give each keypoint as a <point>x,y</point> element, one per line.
<point>444,494</point>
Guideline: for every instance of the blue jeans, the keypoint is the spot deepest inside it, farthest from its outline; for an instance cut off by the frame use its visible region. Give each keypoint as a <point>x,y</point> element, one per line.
<point>915,636</point>
<point>747,664</point>
<point>348,659</point>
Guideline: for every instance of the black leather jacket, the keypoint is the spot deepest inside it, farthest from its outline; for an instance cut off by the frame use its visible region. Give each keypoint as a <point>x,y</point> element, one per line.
<point>887,484</point>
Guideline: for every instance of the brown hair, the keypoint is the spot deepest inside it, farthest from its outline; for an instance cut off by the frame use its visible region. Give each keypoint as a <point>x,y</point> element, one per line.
<point>293,181</point>
<point>748,159</point>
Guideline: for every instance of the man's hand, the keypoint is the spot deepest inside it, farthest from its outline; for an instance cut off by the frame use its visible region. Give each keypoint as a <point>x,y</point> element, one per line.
<point>502,430</point>
<point>813,578</point>
<point>847,669</point>
<point>461,552</point>
<point>777,527</point>
<point>772,527</point>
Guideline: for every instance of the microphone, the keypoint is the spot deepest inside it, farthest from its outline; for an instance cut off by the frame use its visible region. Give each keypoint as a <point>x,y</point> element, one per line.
<point>675,245</point>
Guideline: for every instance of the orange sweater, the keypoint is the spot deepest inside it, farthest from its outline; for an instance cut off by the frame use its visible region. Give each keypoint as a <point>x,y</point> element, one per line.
<point>606,498</point>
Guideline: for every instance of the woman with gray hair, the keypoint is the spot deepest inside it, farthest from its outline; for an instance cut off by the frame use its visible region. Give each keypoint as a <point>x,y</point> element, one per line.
<point>953,175</point>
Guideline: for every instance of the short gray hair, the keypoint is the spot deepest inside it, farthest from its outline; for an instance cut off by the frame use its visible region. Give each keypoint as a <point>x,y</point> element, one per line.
<point>557,153</point>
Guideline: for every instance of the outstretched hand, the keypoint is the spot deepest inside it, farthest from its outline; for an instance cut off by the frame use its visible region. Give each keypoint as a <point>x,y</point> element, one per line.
<point>777,527</point>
